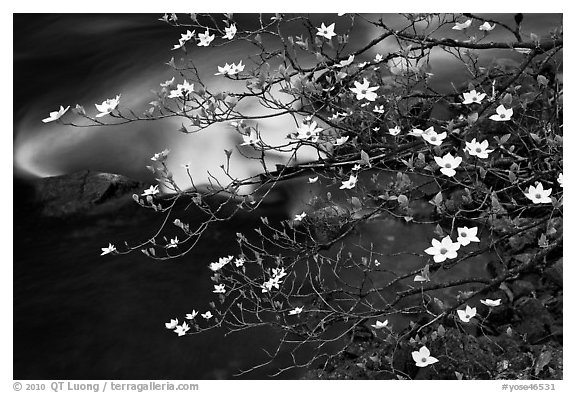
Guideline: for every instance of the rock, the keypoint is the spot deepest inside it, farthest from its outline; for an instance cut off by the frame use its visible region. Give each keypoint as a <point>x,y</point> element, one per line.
<point>329,222</point>
<point>81,192</point>
<point>522,288</point>
<point>555,273</point>
<point>535,320</point>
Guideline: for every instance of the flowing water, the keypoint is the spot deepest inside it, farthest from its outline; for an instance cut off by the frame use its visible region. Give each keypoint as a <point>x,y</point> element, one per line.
<point>79,316</point>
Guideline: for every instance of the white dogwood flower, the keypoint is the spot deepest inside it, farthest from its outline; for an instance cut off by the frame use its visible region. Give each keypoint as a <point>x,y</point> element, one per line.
<point>448,164</point>
<point>300,217</point>
<point>182,90</point>
<point>350,183</point>
<point>173,243</point>
<point>205,38</point>
<point>326,32</point>
<point>423,358</point>
<point>56,115</point>
<point>380,325</point>
<point>308,131</point>
<point>152,190</point>
<point>207,315</point>
<point>467,315</point>
<point>172,324</point>
<point>364,90</point>
<point>467,235</point>
<point>486,26</point>
<point>462,26</point>
<point>108,250</point>
<point>230,31</point>
<point>491,303</point>
<point>295,311</point>
<point>346,62</point>
<point>538,194</point>
<point>107,106</point>
<point>473,97</point>
<point>478,149</point>
<point>502,114</point>
<point>182,329</point>
<point>442,250</point>
<point>433,137</point>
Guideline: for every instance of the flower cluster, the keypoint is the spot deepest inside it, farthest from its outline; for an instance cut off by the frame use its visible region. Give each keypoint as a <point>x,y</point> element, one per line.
<point>184,38</point>
<point>180,330</point>
<point>275,280</point>
<point>161,157</point>
<point>230,69</point>
<point>222,261</point>
<point>182,90</point>
<point>446,249</point>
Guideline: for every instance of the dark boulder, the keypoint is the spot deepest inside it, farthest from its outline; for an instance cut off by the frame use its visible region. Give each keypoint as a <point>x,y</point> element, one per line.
<point>85,192</point>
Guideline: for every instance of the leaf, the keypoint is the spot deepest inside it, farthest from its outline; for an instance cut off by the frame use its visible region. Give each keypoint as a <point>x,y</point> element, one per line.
<point>542,80</point>
<point>543,241</point>
<point>441,331</point>
<point>403,200</point>
<point>507,100</point>
<point>437,200</point>
<point>483,172</point>
<point>458,375</point>
<point>472,118</point>
<point>425,276</point>
<point>542,361</point>
<point>496,205</point>
<point>365,159</point>
<point>171,63</point>
<point>355,201</point>
<point>440,304</point>
<point>80,109</point>
<point>409,163</point>
<point>439,231</point>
